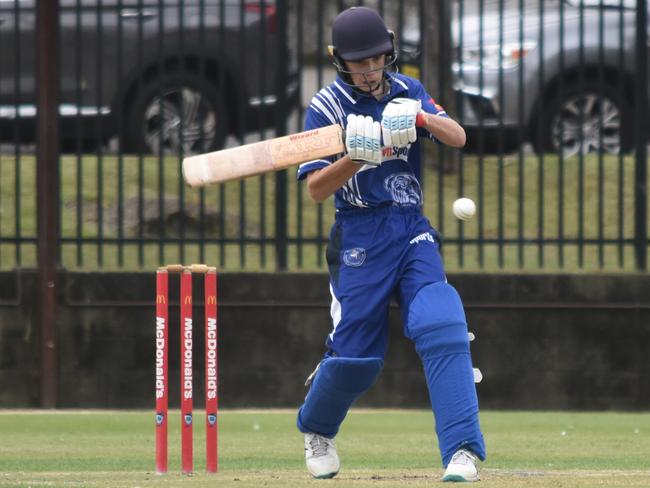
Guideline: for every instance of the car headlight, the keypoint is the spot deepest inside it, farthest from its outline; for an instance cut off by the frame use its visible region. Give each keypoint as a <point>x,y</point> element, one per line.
<point>494,56</point>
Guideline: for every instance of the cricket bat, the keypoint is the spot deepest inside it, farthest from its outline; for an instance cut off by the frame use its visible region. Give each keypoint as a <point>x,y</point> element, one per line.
<point>262,157</point>
<point>265,156</point>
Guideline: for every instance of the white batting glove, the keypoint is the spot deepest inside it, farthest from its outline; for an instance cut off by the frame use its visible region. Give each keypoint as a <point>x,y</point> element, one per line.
<point>363,139</point>
<point>398,121</point>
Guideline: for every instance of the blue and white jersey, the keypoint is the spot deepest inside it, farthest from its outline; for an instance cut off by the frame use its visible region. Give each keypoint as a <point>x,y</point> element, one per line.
<point>397,180</point>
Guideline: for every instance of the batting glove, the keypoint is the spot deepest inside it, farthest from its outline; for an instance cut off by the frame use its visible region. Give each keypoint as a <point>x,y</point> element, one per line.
<point>363,139</point>
<point>398,121</point>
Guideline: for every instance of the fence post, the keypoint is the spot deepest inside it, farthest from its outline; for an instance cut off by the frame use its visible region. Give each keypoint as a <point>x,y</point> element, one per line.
<point>281,81</point>
<point>641,138</point>
<point>47,185</point>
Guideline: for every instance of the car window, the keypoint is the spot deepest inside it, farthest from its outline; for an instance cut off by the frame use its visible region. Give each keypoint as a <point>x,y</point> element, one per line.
<point>605,3</point>
<point>10,4</point>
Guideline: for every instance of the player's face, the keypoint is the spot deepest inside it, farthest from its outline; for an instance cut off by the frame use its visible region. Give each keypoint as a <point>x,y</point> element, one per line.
<point>368,74</point>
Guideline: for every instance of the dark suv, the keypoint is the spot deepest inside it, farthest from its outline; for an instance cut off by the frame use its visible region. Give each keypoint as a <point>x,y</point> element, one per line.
<point>162,75</point>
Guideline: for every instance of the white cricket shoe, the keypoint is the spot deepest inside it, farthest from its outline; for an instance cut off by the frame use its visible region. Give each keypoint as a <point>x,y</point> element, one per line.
<point>320,456</point>
<point>462,467</point>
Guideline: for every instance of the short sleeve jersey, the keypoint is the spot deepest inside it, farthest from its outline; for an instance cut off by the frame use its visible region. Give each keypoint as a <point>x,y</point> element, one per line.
<point>397,180</point>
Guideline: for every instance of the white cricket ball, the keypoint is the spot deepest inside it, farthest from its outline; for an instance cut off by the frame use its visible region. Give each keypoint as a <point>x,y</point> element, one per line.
<point>464,208</point>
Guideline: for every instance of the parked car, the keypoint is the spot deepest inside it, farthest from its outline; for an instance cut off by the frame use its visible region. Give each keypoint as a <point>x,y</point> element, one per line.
<point>161,75</point>
<point>553,76</point>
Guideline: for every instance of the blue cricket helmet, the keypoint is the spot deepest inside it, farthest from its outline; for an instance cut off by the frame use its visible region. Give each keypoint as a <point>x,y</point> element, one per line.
<point>359,33</point>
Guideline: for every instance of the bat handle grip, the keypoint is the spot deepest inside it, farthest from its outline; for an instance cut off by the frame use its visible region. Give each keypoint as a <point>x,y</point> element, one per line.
<point>421,120</point>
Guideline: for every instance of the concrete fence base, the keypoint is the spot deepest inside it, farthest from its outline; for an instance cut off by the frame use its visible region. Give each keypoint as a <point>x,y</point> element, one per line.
<point>542,342</point>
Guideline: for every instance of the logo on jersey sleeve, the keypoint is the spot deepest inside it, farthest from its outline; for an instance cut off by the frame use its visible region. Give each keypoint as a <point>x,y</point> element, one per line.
<point>404,189</point>
<point>436,105</point>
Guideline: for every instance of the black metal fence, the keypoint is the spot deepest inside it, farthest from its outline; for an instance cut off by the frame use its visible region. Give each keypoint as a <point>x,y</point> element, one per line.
<point>554,96</point>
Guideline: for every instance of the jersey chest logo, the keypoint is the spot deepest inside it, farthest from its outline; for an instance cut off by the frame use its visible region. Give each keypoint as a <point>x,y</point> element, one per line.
<point>404,189</point>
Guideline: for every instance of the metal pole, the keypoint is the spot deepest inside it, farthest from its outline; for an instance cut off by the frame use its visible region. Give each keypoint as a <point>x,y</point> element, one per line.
<point>641,137</point>
<point>281,81</point>
<point>47,158</point>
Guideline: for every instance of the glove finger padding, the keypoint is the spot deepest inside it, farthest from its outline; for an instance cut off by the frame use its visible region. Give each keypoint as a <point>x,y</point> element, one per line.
<point>363,139</point>
<point>411,118</point>
<point>367,141</point>
<point>351,135</point>
<point>388,124</point>
<point>398,121</point>
<point>403,112</point>
<point>376,143</point>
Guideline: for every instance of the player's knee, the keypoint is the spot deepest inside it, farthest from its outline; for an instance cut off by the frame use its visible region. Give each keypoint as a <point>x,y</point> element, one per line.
<point>436,321</point>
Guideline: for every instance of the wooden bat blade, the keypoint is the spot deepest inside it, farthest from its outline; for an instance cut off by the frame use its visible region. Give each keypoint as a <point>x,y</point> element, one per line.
<point>262,157</point>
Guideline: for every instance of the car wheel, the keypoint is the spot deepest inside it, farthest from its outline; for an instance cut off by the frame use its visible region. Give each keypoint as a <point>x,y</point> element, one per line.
<point>593,119</point>
<point>177,114</point>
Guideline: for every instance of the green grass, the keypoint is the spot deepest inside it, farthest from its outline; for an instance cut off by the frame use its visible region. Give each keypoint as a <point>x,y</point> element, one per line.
<point>553,212</point>
<point>377,448</point>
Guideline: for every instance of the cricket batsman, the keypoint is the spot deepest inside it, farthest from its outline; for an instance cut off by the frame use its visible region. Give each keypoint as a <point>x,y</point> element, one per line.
<point>382,246</point>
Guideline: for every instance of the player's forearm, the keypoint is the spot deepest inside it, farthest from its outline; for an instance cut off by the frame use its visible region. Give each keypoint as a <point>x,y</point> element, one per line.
<point>446,130</point>
<point>324,182</point>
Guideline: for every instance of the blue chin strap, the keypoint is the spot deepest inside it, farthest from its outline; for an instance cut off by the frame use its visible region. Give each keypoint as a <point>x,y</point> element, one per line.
<point>436,324</point>
<point>337,383</point>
